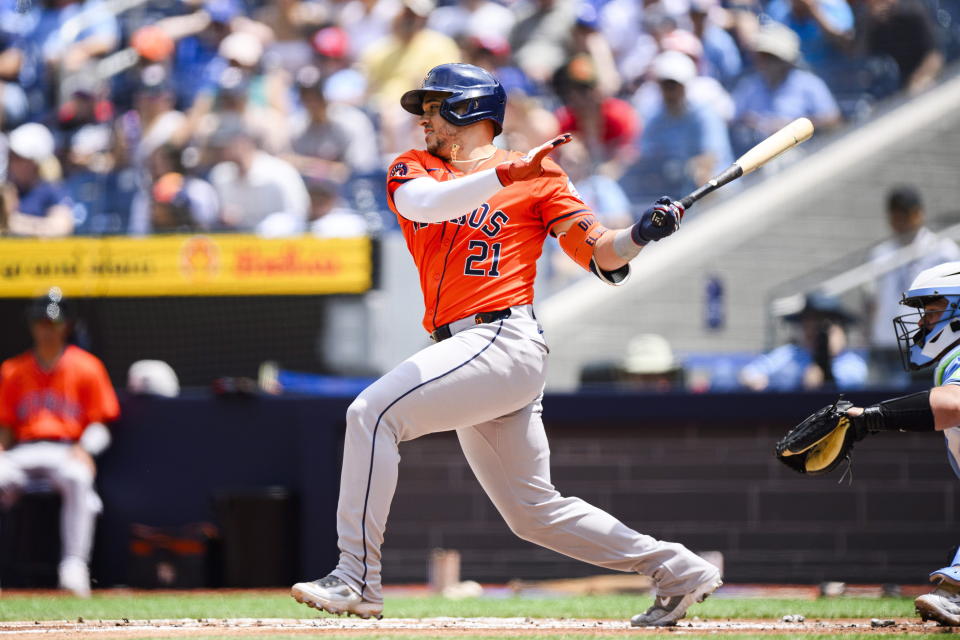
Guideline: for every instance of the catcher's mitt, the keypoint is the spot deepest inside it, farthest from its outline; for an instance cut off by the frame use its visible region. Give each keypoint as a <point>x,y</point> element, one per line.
<point>822,441</point>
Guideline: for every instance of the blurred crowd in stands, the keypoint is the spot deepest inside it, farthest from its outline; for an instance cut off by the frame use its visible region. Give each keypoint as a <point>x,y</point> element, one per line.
<point>137,117</point>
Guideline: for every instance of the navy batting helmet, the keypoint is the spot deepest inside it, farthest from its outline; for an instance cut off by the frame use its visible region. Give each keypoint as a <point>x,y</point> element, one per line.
<point>473,94</point>
<point>50,306</point>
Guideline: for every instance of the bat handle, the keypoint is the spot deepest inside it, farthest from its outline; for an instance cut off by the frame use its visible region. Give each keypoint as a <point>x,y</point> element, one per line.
<point>729,174</point>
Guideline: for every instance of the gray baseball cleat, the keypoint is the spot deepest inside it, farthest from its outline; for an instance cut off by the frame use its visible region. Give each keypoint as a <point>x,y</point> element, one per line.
<point>666,610</point>
<point>942,606</point>
<point>333,595</point>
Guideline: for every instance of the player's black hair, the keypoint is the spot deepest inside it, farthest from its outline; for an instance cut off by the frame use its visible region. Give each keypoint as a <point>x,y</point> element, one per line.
<point>904,198</point>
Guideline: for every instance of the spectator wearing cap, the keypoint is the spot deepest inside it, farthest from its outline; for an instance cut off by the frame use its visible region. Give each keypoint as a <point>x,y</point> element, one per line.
<point>330,141</point>
<point>174,209</point>
<point>903,30</point>
<point>31,204</point>
<point>331,47</point>
<point>606,125</point>
<point>779,92</point>
<point>542,37</point>
<point>258,191</point>
<point>701,89</point>
<point>171,198</point>
<point>911,248</point>
<point>472,19</point>
<point>721,56</point>
<point>817,357</point>
<point>683,143</point>
<point>650,365</point>
<point>825,27</point>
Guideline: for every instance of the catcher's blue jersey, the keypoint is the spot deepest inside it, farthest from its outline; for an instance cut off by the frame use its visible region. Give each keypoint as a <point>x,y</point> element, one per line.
<point>948,372</point>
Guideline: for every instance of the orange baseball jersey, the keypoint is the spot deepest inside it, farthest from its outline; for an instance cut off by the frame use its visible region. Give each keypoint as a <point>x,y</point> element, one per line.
<point>56,404</point>
<point>485,260</point>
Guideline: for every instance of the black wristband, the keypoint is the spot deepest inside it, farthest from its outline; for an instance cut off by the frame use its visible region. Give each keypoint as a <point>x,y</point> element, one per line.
<point>906,413</point>
<point>637,236</point>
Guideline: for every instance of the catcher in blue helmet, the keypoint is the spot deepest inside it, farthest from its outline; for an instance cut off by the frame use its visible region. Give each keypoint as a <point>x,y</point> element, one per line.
<point>927,336</point>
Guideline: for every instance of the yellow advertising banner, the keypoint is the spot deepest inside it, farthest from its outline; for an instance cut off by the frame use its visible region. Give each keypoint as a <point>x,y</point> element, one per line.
<point>185,265</point>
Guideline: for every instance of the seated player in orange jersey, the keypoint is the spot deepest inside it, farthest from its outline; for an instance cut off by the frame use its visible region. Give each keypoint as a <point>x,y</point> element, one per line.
<point>54,400</point>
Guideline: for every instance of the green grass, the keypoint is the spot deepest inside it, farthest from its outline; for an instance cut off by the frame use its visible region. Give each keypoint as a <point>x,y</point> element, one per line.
<point>140,606</point>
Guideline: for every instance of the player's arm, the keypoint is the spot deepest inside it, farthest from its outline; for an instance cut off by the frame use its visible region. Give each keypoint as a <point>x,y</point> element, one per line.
<point>6,437</point>
<point>593,246</point>
<point>424,199</point>
<point>933,410</point>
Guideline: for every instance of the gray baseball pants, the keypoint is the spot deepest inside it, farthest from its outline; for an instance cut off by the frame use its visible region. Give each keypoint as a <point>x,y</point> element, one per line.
<point>486,383</point>
<point>53,462</point>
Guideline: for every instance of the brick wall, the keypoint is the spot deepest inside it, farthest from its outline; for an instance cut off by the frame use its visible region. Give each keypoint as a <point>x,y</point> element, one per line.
<point>710,486</point>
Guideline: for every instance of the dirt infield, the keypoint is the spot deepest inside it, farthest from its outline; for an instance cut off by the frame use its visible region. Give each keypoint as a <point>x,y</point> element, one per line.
<point>133,629</point>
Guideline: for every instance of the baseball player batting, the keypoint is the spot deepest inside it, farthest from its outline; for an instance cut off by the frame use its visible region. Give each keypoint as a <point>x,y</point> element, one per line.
<point>475,218</point>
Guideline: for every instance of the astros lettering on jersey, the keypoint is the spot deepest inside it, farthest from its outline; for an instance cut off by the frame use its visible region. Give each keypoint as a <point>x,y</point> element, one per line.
<point>484,259</point>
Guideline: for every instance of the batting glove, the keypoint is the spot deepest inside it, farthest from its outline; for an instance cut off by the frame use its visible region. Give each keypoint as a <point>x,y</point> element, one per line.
<point>530,166</point>
<point>658,222</point>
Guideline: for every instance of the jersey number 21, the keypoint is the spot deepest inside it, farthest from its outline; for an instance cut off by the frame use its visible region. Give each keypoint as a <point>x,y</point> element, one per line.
<point>479,250</point>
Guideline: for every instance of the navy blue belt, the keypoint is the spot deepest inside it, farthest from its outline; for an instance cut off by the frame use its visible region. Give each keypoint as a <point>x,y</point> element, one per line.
<point>443,331</point>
